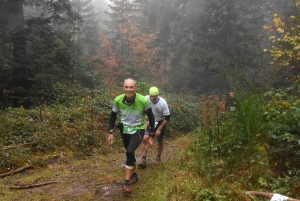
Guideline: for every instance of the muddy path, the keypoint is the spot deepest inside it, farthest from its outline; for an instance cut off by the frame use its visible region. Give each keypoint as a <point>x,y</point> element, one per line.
<point>97,177</point>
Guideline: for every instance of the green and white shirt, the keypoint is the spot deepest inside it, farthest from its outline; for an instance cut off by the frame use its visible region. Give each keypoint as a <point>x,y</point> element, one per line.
<point>132,114</point>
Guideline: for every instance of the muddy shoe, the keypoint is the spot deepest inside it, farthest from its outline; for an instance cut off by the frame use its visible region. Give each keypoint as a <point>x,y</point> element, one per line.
<point>143,164</point>
<point>126,188</point>
<point>134,179</point>
<point>158,160</point>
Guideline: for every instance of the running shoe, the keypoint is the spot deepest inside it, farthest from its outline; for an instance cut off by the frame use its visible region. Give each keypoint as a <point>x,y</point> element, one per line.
<point>134,179</point>
<point>143,164</point>
<point>126,188</point>
<point>158,160</point>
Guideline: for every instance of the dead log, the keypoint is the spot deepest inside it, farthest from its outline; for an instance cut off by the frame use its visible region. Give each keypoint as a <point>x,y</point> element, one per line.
<point>15,171</point>
<point>33,185</point>
<point>16,146</point>
<point>266,195</point>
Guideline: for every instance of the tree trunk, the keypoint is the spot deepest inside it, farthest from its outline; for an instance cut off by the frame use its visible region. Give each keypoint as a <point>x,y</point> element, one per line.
<point>16,28</point>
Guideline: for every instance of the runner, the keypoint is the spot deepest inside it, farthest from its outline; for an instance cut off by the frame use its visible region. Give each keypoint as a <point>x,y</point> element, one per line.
<point>162,116</point>
<point>231,103</point>
<point>132,108</point>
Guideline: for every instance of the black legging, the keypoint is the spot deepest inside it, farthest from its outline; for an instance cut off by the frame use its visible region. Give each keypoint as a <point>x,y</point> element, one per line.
<point>131,143</point>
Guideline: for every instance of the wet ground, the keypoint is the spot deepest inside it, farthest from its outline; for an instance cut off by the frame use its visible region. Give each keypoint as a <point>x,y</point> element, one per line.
<point>96,178</point>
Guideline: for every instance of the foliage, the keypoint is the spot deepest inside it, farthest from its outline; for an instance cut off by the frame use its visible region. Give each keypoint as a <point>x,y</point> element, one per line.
<point>256,146</point>
<point>288,39</point>
<point>73,118</point>
<point>128,47</point>
<point>184,113</point>
<point>224,43</point>
<point>282,116</point>
<point>243,128</point>
<point>284,44</point>
<point>35,55</point>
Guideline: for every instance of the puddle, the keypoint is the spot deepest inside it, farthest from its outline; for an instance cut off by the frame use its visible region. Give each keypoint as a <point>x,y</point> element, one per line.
<point>111,192</point>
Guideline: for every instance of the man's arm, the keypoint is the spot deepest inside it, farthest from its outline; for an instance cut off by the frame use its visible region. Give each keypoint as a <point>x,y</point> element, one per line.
<point>166,114</point>
<point>151,119</point>
<point>112,121</point>
<point>165,121</point>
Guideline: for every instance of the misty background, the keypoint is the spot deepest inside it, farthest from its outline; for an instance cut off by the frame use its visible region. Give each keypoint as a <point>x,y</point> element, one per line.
<point>182,46</point>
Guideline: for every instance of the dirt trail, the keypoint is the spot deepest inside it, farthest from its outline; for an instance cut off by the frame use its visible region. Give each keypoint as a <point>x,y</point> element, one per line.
<point>96,178</point>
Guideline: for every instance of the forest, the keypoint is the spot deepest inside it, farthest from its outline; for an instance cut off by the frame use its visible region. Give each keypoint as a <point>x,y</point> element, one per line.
<point>62,62</point>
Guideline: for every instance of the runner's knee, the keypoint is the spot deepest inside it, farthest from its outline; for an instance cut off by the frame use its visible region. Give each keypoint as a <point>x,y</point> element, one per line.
<point>146,138</point>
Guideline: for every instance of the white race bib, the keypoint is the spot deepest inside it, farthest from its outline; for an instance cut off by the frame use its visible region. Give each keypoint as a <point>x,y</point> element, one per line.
<point>278,197</point>
<point>155,124</point>
<point>129,129</point>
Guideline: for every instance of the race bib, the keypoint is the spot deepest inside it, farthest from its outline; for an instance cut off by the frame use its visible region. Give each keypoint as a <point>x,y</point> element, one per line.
<point>129,129</point>
<point>155,124</point>
<point>232,108</point>
<point>278,197</point>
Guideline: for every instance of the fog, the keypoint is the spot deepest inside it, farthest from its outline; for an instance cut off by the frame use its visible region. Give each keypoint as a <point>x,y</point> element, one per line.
<point>184,46</point>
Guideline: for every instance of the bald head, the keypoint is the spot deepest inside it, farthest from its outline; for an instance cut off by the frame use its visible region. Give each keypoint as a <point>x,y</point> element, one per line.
<point>130,80</point>
<point>129,88</point>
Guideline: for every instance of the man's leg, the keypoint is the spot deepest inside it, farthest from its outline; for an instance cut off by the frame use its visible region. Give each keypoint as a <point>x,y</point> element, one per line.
<point>128,169</point>
<point>160,147</point>
<point>145,146</point>
<point>128,173</point>
<point>134,142</point>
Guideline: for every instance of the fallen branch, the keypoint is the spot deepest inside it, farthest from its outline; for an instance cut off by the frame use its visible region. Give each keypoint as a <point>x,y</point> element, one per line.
<point>19,145</point>
<point>33,185</point>
<point>266,195</point>
<point>15,171</point>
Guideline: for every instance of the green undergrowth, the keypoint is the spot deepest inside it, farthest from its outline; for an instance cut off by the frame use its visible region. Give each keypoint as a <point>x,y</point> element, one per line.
<point>255,148</point>
<point>177,180</point>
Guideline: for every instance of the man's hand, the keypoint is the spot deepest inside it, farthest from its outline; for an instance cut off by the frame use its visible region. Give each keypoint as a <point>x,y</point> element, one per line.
<point>151,141</point>
<point>110,138</point>
<point>157,133</point>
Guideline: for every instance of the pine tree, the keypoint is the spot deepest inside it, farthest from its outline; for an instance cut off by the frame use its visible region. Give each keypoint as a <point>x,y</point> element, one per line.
<point>128,44</point>
<point>19,32</point>
<point>225,45</point>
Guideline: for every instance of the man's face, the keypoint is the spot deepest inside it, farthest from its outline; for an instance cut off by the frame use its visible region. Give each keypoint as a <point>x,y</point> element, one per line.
<point>231,94</point>
<point>153,98</point>
<point>129,89</point>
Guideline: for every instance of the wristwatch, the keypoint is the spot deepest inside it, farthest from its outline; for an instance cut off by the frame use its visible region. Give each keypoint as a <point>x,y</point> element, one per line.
<point>111,131</point>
